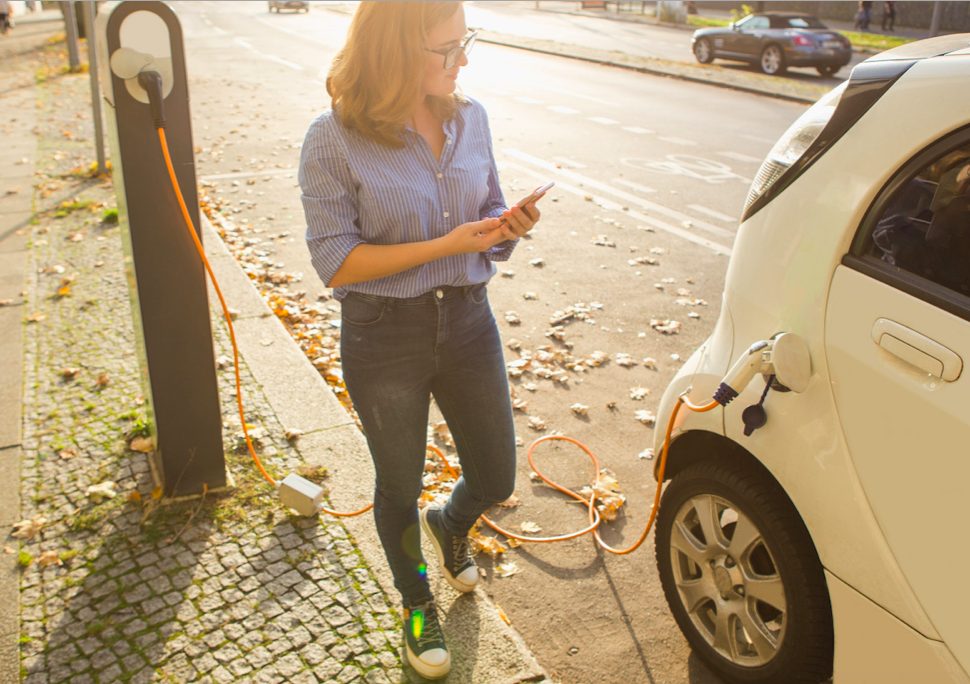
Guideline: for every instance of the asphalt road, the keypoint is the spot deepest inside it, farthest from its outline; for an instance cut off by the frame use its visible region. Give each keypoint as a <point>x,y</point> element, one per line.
<point>553,21</point>
<point>647,167</point>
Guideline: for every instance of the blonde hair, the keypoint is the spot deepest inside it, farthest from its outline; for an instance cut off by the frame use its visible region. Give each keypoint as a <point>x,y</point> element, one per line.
<point>375,80</point>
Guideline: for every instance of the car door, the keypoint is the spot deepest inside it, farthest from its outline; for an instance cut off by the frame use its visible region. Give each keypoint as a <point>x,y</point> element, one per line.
<point>898,341</point>
<point>749,38</point>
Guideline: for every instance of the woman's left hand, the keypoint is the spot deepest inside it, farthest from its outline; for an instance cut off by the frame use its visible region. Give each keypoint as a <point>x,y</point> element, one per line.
<point>519,220</point>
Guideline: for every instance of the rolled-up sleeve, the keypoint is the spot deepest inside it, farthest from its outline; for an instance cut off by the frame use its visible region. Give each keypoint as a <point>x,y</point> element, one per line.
<point>494,203</point>
<point>329,202</point>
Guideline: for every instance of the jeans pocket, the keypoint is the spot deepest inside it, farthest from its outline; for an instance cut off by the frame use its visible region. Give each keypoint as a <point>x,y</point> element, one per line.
<point>361,311</point>
<point>478,293</point>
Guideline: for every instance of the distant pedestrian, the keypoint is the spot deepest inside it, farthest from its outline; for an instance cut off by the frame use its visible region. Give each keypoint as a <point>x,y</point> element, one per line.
<point>863,16</point>
<point>888,16</point>
<point>403,208</point>
<point>6,14</point>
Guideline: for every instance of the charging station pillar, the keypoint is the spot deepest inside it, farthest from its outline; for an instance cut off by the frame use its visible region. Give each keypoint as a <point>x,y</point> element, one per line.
<point>166,277</point>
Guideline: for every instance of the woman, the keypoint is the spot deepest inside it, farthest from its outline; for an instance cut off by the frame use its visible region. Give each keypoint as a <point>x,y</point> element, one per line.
<point>405,218</point>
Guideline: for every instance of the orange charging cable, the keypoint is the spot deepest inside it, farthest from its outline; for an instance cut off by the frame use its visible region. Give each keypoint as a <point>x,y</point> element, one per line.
<point>594,516</point>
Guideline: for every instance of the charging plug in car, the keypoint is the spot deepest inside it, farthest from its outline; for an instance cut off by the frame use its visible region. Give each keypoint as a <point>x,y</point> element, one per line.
<point>784,362</point>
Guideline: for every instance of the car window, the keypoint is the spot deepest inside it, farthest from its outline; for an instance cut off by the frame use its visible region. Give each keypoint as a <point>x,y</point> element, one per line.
<point>805,22</point>
<point>924,228</point>
<point>743,23</point>
<point>756,24</point>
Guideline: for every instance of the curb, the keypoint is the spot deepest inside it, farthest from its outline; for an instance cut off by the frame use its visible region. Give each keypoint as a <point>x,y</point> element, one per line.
<point>301,398</point>
<point>512,43</point>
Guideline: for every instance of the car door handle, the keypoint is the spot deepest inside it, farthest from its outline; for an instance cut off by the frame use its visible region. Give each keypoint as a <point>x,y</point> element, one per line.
<point>917,349</point>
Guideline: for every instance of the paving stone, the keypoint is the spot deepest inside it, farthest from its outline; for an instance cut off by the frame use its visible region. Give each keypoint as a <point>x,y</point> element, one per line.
<point>348,674</point>
<point>289,665</point>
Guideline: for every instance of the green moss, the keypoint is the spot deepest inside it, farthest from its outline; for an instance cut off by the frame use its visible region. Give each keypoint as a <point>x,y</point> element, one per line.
<point>110,216</point>
<point>24,559</point>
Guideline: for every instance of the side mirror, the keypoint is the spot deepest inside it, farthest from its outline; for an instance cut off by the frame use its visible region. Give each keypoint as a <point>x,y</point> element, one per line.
<point>733,26</point>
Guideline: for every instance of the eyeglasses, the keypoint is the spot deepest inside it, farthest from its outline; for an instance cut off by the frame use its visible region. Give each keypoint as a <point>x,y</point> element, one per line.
<point>453,55</point>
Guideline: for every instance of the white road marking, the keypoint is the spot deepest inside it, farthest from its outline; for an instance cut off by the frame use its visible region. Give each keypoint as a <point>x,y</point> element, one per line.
<point>571,163</point>
<point>637,130</point>
<point>242,42</point>
<point>621,194</point>
<point>677,141</point>
<point>737,156</point>
<point>606,121</point>
<point>562,109</point>
<point>700,208</point>
<point>632,185</point>
<point>605,203</point>
<point>579,96</point>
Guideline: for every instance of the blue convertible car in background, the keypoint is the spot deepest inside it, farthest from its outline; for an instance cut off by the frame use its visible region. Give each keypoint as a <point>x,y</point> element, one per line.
<point>775,41</point>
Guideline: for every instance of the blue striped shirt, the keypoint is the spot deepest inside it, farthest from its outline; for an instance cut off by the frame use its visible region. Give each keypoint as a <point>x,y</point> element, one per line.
<point>357,191</point>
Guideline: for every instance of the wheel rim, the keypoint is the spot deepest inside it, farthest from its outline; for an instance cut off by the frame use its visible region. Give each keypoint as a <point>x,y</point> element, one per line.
<point>771,60</point>
<point>703,51</point>
<point>728,581</point>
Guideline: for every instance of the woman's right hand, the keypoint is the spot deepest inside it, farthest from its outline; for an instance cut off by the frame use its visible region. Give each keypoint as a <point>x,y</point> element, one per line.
<point>477,236</point>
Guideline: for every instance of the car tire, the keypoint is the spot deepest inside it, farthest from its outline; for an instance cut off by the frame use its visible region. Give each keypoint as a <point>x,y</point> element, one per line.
<point>703,51</point>
<point>827,70</point>
<point>772,61</point>
<point>743,579</point>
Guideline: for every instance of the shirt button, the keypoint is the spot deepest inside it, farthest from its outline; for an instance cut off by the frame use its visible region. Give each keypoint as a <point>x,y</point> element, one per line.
<point>439,293</point>
<point>446,214</point>
<point>448,141</point>
<point>440,175</point>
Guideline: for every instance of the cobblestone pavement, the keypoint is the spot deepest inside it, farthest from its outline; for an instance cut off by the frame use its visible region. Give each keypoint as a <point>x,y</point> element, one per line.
<point>123,589</point>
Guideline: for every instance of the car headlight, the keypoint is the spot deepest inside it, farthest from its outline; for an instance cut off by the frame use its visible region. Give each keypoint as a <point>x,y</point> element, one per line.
<point>793,144</point>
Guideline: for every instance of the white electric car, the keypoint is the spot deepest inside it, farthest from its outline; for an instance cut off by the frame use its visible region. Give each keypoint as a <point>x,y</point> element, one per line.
<point>831,540</point>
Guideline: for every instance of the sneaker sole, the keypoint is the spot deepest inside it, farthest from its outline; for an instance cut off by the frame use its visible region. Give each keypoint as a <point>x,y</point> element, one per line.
<point>453,581</point>
<point>425,670</point>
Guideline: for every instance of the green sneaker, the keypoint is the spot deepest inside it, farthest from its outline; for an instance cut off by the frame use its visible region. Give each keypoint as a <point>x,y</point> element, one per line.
<point>454,554</point>
<point>424,642</point>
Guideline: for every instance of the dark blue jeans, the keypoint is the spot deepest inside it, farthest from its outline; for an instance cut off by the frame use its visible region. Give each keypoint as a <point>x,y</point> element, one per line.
<point>397,354</point>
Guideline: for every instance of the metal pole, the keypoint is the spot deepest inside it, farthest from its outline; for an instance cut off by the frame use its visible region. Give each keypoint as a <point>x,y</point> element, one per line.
<point>935,21</point>
<point>87,10</point>
<point>70,24</point>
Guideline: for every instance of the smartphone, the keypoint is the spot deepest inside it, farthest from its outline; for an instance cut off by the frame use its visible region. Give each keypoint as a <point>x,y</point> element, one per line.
<point>534,196</point>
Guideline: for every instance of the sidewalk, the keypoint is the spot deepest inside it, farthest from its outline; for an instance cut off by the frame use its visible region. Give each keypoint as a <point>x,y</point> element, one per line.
<point>123,587</point>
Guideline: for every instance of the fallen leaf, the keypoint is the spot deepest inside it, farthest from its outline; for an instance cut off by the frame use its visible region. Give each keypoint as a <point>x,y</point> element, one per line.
<point>650,362</point>
<point>69,373</point>
<point>49,558</point>
<point>666,326</point>
<point>530,527</point>
<point>646,454</point>
<point>506,569</point>
<point>102,490</point>
<point>538,262</point>
<point>511,502</point>
<point>135,496</point>
<point>512,318</point>
<point>537,424</point>
<point>645,417</point>
<point>579,409</point>
<point>36,317</point>
<point>502,615</point>
<point>157,493</point>
<point>142,444</point>
<point>28,529</point>
<point>292,434</point>
<point>68,453</point>
<point>638,393</point>
<point>530,296</point>
<point>102,381</point>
